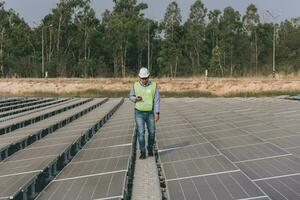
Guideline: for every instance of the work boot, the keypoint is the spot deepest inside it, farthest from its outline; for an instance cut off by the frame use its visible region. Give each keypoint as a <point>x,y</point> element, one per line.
<point>143,155</point>
<point>150,152</point>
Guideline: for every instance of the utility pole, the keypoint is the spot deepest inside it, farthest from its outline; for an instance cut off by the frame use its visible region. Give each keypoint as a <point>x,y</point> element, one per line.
<point>274,50</point>
<point>148,46</point>
<point>43,61</point>
<point>43,48</point>
<point>1,52</point>
<point>50,38</point>
<point>274,42</point>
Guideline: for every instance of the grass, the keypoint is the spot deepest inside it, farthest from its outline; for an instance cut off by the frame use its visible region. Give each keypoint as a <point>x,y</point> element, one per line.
<point>271,93</point>
<point>90,93</point>
<point>93,93</point>
<point>99,93</point>
<point>193,94</point>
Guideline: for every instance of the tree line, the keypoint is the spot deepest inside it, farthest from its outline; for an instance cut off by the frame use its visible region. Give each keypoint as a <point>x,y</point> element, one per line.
<point>71,41</point>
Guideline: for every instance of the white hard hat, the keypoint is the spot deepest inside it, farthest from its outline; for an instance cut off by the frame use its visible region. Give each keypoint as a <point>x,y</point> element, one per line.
<point>144,73</point>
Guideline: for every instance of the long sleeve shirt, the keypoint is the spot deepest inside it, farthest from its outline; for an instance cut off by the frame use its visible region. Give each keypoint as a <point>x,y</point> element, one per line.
<point>156,103</point>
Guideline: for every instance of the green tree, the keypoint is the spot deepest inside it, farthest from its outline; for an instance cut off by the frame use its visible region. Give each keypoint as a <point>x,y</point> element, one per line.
<point>122,25</point>
<point>71,41</point>
<point>213,27</point>
<point>195,35</point>
<point>15,45</point>
<point>265,41</point>
<point>288,53</point>
<point>86,23</point>
<point>251,21</point>
<point>171,49</point>
<point>215,63</point>
<point>230,27</point>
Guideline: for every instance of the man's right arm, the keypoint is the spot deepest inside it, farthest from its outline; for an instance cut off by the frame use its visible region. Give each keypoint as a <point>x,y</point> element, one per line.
<point>132,96</point>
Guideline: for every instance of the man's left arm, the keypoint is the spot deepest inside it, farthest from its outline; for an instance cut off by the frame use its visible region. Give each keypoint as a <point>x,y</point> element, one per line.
<point>156,104</point>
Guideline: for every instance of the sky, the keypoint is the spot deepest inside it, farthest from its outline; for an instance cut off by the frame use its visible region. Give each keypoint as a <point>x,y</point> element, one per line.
<point>35,10</point>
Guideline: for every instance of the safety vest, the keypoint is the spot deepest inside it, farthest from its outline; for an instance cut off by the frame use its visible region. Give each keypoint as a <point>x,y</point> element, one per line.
<point>147,93</point>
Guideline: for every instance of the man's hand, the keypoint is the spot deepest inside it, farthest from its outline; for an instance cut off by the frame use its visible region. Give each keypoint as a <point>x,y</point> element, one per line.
<point>156,117</point>
<point>139,98</point>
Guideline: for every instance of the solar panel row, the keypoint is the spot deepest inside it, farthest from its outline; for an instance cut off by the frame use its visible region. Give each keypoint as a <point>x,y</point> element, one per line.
<point>103,168</point>
<point>40,107</point>
<point>26,172</point>
<point>14,109</point>
<point>21,138</point>
<point>230,148</point>
<point>24,104</point>
<point>16,101</point>
<point>206,149</point>
<point>4,100</point>
<point>25,120</point>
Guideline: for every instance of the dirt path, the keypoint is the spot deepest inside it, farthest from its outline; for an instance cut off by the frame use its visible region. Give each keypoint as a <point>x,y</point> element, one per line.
<point>215,86</point>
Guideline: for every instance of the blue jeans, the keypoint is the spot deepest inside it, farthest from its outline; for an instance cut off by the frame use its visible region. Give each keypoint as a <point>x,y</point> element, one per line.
<point>142,118</point>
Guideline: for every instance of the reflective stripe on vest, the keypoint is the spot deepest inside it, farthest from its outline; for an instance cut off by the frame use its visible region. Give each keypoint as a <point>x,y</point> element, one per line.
<point>147,93</point>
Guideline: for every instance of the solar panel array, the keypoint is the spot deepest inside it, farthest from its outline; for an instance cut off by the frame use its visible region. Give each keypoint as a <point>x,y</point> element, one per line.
<point>207,148</point>
<point>54,141</point>
<point>229,148</point>
<point>99,170</point>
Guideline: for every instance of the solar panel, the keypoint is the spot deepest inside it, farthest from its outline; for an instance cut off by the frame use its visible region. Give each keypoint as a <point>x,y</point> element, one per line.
<point>224,186</point>
<point>40,107</point>
<point>16,102</point>
<point>255,151</point>
<point>41,160</point>
<point>220,148</point>
<point>25,136</point>
<point>187,152</point>
<point>287,142</point>
<point>106,142</point>
<point>196,167</point>
<point>271,167</point>
<point>16,106</point>
<point>92,167</point>
<point>7,100</point>
<point>114,133</point>
<point>100,169</point>
<point>108,186</point>
<point>251,145</point>
<point>275,133</point>
<point>236,141</point>
<point>100,153</point>
<point>176,134</point>
<point>282,188</point>
<point>24,165</point>
<point>180,142</point>
<point>223,134</point>
<point>10,184</point>
<point>8,126</point>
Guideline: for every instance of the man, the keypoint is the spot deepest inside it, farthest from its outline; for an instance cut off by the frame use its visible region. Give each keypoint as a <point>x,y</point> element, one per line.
<point>144,93</point>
